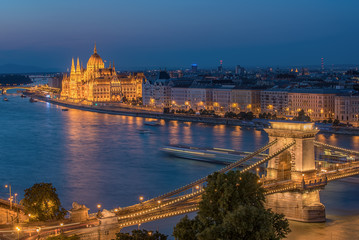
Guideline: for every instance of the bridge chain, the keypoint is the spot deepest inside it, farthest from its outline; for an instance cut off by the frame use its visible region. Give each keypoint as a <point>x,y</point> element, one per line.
<point>236,164</point>
<point>223,170</point>
<point>332,147</point>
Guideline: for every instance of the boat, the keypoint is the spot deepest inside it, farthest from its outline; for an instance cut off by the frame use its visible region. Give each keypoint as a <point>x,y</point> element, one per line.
<point>23,96</point>
<point>5,99</point>
<point>212,155</point>
<point>144,131</point>
<point>33,100</point>
<point>64,109</point>
<point>152,123</point>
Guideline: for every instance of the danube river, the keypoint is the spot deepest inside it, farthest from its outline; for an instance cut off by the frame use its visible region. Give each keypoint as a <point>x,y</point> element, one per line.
<point>96,158</point>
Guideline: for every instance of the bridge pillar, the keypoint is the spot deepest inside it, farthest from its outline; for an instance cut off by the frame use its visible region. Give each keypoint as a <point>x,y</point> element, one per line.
<point>296,163</point>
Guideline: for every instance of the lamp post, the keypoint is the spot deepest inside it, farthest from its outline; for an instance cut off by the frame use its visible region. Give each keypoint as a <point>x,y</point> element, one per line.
<point>61,229</point>
<point>141,199</point>
<point>99,210</point>
<point>10,199</point>
<point>18,233</point>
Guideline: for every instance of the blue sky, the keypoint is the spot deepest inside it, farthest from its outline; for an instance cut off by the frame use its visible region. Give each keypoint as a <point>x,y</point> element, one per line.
<point>158,33</point>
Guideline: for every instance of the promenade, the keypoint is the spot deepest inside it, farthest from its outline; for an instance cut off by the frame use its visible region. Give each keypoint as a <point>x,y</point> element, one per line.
<point>150,113</point>
<point>128,111</point>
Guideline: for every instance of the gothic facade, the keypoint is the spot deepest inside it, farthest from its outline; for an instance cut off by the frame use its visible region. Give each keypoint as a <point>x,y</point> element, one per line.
<point>97,84</point>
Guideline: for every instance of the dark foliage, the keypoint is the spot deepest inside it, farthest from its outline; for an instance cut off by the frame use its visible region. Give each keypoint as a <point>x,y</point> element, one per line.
<point>232,207</point>
<point>43,203</point>
<point>141,235</point>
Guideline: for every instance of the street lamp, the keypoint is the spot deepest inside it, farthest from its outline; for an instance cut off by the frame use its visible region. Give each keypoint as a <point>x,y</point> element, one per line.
<point>141,198</point>
<point>99,210</point>
<point>10,199</point>
<point>18,232</point>
<point>38,229</point>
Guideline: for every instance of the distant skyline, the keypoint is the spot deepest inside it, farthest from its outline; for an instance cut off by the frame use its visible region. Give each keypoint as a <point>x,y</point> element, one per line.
<point>142,34</point>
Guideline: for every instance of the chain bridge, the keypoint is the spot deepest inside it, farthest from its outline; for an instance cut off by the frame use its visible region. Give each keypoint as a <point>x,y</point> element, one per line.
<point>292,182</point>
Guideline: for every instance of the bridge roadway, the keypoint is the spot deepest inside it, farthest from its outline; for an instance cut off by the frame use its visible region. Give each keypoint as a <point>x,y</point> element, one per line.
<point>3,89</point>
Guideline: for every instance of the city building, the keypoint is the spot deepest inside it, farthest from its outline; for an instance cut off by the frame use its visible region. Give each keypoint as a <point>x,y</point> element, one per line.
<point>97,84</point>
<point>245,100</point>
<point>347,108</point>
<point>158,93</point>
<point>275,101</point>
<point>318,104</point>
<point>222,98</point>
<point>131,85</point>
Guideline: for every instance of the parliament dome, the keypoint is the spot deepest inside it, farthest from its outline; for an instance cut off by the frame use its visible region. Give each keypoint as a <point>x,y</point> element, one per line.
<point>95,61</point>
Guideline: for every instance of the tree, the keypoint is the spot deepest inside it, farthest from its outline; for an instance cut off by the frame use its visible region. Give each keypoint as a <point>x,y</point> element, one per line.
<point>336,122</point>
<point>232,207</point>
<point>187,228</point>
<point>250,116</point>
<point>302,117</point>
<point>63,237</point>
<point>141,235</point>
<point>43,203</point>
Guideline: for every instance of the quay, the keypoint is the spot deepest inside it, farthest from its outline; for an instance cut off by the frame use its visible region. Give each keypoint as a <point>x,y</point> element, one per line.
<point>258,124</point>
<point>114,110</point>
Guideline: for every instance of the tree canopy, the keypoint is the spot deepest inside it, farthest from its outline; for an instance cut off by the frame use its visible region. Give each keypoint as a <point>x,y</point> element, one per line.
<point>63,237</point>
<point>141,235</point>
<point>232,207</point>
<point>302,117</point>
<point>43,203</point>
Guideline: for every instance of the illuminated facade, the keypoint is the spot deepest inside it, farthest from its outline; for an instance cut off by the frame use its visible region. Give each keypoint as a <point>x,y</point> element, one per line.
<point>132,85</point>
<point>318,104</point>
<point>99,84</point>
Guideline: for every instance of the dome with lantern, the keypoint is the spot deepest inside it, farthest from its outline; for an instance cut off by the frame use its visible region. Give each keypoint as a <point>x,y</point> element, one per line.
<point>95,61</point>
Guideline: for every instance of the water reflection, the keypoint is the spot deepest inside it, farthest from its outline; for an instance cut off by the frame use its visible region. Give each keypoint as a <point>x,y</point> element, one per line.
<point>94,158</point>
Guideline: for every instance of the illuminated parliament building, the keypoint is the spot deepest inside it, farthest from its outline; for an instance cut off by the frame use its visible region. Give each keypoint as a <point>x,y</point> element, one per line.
<point>97,84</point>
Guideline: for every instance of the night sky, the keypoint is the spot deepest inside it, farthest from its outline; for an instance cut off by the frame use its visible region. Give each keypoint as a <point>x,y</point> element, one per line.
<point>168,33</point>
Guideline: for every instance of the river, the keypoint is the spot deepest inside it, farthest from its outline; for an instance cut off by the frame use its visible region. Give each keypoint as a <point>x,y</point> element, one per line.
<point>97,158</point>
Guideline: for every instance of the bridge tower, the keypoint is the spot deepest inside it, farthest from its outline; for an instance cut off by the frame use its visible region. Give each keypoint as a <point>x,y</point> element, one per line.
<point>295,164</point>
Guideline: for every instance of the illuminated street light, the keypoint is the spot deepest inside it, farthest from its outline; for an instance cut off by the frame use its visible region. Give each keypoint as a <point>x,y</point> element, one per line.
<point>99,210</point>
<point>18,232</point>
<point>141,198</point>
<point>10,199</point>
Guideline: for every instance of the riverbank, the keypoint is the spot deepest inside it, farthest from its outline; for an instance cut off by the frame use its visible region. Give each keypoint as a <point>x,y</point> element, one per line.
<point>150,114</point>
<point>128,111</point>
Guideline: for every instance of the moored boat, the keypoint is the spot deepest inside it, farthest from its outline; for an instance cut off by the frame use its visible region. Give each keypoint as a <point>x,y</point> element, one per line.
<point>32,100</point>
